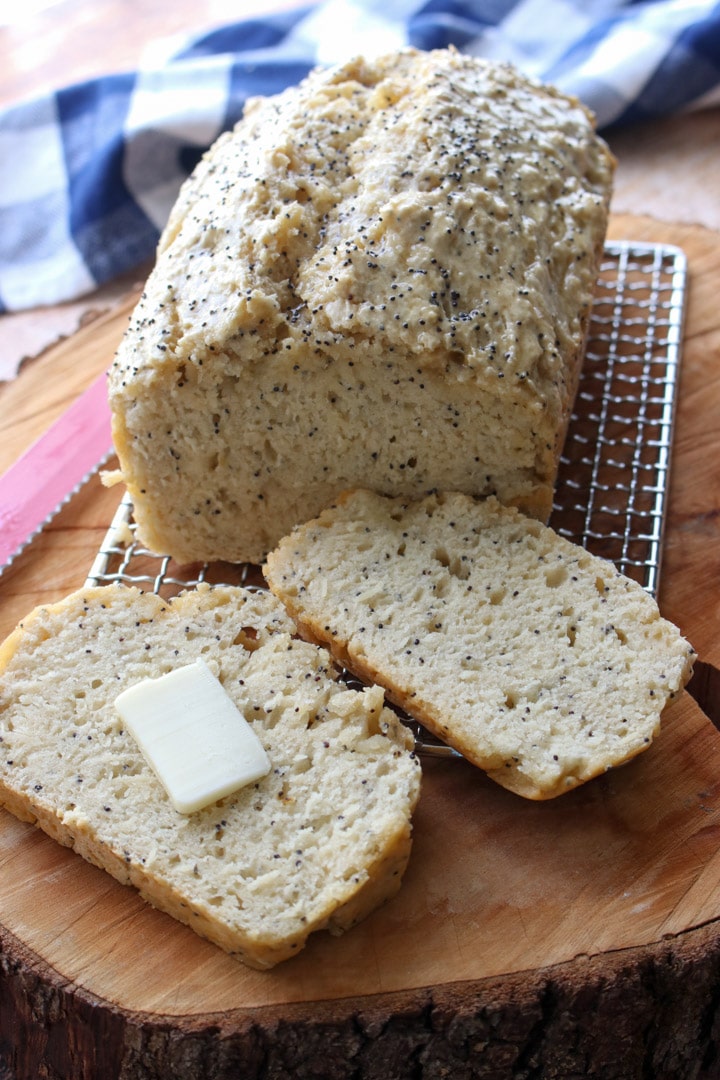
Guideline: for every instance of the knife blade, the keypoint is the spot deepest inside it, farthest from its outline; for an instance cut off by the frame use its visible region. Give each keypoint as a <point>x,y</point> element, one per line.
<point>57,465</point>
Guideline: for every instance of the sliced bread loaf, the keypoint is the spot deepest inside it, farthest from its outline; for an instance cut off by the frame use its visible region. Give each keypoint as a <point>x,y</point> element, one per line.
<point>415,238</point>
<point>539,662</point>
<point>317,843</point>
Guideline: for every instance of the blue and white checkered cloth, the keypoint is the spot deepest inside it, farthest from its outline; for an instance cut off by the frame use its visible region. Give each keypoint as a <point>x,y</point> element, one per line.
<point>88,174</point>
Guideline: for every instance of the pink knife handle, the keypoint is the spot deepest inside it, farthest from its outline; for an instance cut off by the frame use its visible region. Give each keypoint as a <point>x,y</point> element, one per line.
<point>35,486</point>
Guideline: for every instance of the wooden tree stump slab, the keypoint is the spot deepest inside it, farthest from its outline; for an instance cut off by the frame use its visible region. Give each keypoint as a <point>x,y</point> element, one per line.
<point>579,937</point>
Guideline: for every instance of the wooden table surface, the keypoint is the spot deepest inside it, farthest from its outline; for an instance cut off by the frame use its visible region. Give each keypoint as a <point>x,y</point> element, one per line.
<point>667,183</point>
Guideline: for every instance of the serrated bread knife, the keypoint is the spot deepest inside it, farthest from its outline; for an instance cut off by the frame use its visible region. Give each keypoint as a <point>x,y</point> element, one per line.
<point>35,488</point>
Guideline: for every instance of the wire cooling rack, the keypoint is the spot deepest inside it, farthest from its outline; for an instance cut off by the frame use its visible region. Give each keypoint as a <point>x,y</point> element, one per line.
<point>613,478</point>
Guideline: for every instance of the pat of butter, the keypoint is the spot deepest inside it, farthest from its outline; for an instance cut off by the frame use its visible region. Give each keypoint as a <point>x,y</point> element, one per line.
<point>193,736</point>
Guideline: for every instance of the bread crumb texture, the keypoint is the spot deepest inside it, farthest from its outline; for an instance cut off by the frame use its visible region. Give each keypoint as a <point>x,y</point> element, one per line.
<point>317,843</point>
<point>381,277</point>
<point>539,662</point>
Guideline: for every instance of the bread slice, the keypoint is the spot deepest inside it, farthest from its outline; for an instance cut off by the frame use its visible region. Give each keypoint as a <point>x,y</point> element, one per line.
<point>539,662</point>
<point>317,843</point>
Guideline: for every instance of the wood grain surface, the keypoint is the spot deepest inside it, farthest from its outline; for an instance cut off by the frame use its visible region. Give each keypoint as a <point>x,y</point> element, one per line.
<point>580,938</point>
<point>499,892</point>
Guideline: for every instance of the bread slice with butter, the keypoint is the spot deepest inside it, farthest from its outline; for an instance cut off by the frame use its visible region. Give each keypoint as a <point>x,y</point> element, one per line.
<point>317,843</point>
<point>539,662</point>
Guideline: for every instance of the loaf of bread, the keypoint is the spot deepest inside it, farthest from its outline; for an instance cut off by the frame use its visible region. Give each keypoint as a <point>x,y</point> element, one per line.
<point>380,278</point>
<point>317,843</point>
<point>539,662</point>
